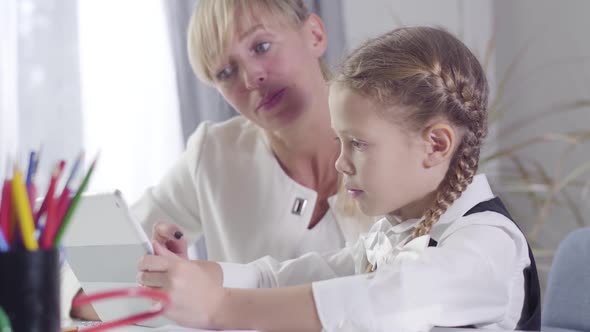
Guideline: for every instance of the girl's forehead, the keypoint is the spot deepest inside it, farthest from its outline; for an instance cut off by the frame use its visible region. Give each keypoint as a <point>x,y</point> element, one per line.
<point>351,110</point>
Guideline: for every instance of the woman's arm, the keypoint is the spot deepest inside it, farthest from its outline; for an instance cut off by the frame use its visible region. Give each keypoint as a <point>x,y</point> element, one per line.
<point>174,199</point>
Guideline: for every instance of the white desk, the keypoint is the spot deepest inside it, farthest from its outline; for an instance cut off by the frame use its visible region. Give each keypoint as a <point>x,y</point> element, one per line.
<point>181,329</point>
<point>160,329</point>
<point>133,328</point>
<point>170,328</point>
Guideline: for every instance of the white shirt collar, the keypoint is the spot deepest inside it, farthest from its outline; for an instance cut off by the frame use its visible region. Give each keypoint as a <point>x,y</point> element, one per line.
<point>478,191</point>
<point>401,226</point>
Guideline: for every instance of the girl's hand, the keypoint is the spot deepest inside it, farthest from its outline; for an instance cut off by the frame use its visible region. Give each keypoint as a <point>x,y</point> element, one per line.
<point>195,287</point>
<point>170,236</point>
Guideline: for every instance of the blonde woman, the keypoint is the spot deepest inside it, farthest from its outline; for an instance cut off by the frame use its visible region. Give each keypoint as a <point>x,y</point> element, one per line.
<point>262,183</point>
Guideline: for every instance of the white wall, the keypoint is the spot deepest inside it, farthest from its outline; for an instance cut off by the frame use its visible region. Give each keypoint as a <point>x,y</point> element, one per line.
<point>129,96</point>
<point>553,68</point>
<point>47,82</point>
<point>472,21</point>
<point>8,74</point>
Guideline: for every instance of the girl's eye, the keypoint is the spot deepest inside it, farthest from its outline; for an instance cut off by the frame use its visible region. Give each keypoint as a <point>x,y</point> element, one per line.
<point>225,73</point>
<point>262,47</point>
<point>358,144</point>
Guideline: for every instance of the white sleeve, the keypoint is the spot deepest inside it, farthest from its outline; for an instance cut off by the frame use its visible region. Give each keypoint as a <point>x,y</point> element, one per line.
<point>236,275</point>
<point>267,272</point>
<point>174,199</point>
<point>463,281</point>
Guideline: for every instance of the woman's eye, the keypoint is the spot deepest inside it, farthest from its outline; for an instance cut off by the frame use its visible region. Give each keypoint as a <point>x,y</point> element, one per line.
<point>262,47</point>
<point>225,73</point>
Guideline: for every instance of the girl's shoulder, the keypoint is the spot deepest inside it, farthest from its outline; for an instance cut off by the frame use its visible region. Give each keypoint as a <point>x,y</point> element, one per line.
<point>480,225</point>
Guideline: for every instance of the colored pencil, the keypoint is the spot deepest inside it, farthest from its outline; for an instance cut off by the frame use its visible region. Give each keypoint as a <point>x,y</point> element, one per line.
<point>23,209</point>
<point>52,187</point>
<point>5,204</point>
<point>49,202</point>
<point>72,207</point>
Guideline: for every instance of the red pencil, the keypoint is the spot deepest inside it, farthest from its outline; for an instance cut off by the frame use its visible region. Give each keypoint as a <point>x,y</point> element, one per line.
<point>6,204</point>
<point>54,217</point>
<point>49,205</point>
<point>50,191</point>
<point>5,208</point>
<point>64,200</point>
<point>50,224</point>
<point>62,205</point>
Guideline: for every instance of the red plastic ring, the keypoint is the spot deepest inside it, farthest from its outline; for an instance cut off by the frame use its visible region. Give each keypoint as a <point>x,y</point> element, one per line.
<point>160,296</point>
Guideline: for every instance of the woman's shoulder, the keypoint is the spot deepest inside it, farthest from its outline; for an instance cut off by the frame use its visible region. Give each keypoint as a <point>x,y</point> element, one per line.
<point>225,145</point>
<point>237,127</point>
<point>235,134</point>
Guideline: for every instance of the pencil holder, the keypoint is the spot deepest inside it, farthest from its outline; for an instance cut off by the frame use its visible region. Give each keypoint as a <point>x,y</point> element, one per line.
<point>29,289</point>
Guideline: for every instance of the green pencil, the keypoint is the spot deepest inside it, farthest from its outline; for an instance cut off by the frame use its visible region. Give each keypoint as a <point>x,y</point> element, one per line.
<point>72,207</point>
<point>4,322</point>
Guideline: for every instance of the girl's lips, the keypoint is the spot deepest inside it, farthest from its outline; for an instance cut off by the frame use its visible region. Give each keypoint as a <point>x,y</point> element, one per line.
<point>354,192</point>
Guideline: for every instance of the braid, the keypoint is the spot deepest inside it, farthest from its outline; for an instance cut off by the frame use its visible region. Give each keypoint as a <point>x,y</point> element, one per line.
<point>467,107</point>
<point>459,175</point>
<point>464,105</point>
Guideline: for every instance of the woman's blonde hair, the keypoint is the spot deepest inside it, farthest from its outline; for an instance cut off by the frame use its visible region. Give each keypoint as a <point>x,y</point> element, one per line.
<point>211,25</point>
<point>429,73</point>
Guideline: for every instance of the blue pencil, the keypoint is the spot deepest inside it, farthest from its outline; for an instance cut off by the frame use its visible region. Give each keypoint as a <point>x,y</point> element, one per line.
<point>74,169</point>
<point>31,168</point>
<point>3,244</point>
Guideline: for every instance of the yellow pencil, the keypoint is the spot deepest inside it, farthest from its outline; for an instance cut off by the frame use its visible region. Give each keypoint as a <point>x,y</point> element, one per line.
<point>23,210</point>
<point>70,329</point>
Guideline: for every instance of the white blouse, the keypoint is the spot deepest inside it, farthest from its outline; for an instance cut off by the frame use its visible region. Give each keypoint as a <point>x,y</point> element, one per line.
<point>474,275</point>
<point>229,187</point>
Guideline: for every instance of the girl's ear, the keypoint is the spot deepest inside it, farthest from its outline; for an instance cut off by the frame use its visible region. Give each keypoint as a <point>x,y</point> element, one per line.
<point>440,140</point>
<point>316,34</point>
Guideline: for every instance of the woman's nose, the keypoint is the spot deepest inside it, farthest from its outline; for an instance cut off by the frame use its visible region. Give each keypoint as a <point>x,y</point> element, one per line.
<point>254,76</point>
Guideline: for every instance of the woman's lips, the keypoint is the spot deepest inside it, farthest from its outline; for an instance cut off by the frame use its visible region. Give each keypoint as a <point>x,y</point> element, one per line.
<point>271,100</point>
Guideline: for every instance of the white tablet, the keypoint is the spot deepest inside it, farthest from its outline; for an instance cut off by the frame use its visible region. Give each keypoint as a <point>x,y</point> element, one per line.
<point>103,245</point>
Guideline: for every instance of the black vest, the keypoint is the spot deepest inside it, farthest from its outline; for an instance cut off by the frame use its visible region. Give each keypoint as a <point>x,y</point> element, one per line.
<point>530,317</point>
